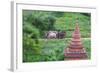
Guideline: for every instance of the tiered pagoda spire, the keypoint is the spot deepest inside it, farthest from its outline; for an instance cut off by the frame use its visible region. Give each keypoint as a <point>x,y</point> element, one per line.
<point>75,49</point>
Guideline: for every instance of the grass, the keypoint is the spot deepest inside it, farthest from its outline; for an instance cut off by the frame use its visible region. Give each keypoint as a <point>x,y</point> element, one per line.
<point>87,46</point>
<point>68,21</point>
<point>53,50</point>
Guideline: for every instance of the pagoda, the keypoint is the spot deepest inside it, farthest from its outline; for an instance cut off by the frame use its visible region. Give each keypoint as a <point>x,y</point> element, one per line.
<point>75,50</point>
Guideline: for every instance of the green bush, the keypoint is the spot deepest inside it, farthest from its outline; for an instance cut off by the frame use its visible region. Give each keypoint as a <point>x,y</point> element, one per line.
<point>31,47</point>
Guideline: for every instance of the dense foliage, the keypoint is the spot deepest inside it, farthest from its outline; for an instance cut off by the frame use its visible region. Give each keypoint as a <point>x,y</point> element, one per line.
<point>36,23</point>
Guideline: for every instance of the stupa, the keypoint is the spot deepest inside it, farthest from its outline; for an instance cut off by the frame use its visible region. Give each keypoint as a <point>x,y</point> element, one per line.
<point>75,50</point>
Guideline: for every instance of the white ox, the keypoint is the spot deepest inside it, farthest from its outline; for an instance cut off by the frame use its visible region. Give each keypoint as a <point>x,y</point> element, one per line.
<point>51,34</point>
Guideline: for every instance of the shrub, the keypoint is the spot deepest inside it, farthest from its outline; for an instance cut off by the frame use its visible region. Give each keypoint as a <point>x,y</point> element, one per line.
<point>31,48</point>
